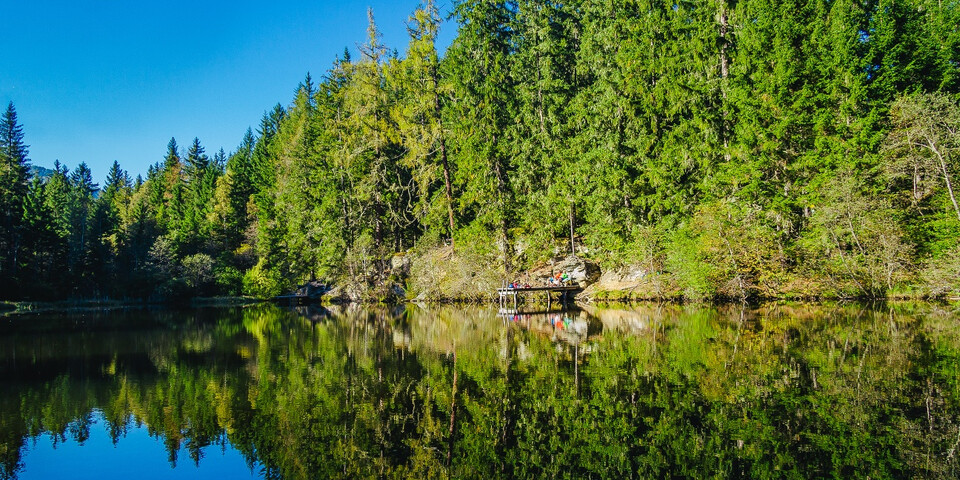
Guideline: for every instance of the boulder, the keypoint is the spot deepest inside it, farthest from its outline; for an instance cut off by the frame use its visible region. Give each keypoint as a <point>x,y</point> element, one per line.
<point>400,264</point>
<point>312,289</point>
<point>580,270</point>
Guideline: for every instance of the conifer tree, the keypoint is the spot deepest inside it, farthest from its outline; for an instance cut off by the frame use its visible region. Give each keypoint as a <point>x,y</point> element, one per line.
<point>81,240</point>
<point>13,189</point>
<point>379,184</point>
<point>57,198</point>
<point>543,64</point>
<point>419,119</point>
<point>482,102</point>
<point>42,245</point>
<point>234,191</point>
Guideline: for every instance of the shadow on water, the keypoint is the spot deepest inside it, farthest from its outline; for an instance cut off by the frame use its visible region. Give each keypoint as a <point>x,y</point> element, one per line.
<point>438,391</point>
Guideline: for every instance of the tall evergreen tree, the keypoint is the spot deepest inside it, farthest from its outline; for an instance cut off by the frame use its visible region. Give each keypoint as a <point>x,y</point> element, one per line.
<point>235,188</point>
<point>196,161</point>
<point>420,122</point>
<point>483,102</point>
<point>43,247</point>
<point>543,66</point>
<point>13,188</point>
<point>83,236</point>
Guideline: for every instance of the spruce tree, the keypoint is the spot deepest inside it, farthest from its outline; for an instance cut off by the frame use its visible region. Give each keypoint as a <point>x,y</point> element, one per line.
<point>42,245</point>
<point>483,105</point>
<point>82,234</point>
<point>240,175</point>
<point>419,119</point>
<point>374,152</point>
<point>13,188</point>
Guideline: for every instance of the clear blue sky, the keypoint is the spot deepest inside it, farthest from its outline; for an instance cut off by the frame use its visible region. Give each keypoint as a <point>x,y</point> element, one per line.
<point>98,81</point>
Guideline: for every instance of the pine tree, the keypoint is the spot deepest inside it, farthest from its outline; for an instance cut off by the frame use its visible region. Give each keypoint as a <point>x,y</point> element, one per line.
<point>196,161</point>
<point>172,159</point>
<point>294,197</point>
<point>483,104</point>
<point>237,189</point>
<point>267,237</point>
<point>110,209</point>
<point>43,247</point>
<point>13,188</point>
<point>200,176</point>
<point>419,120</point>
<point>380,184</point>
<point>164,180</point>
<point>82,239</point>
<point>57,198</point>
<point>543,65</point>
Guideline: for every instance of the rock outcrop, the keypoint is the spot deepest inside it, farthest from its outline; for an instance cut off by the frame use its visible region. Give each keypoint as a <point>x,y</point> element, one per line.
<point>312,289</point>
<point>630,283</point>
<point>582,271</point>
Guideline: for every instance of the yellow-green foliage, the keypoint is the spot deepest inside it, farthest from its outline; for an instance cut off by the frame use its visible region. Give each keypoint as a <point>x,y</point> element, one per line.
<point>726,250</point>
<point>941,276</point>
<point>260,281</point>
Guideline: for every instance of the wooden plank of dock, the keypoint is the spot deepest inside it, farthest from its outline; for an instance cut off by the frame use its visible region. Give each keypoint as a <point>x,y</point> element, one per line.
<point>561,288</point>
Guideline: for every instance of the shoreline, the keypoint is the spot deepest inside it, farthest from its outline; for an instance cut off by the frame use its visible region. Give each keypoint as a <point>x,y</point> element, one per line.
<point>8,308</point>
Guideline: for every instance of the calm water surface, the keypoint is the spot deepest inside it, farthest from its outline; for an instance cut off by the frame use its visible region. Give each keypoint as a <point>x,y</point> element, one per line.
<point>629,392</point>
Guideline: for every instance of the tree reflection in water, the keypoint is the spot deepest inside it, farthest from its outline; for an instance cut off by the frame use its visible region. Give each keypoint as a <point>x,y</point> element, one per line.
<point>440,392</point>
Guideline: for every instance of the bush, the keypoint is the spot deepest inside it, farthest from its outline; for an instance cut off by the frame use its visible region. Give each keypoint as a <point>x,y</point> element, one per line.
<point>941,276</point>
<point>198,271</point>
<point>261,281</point>
<point>229,280</point>
<point>726,251</point>
<point>854,241</point>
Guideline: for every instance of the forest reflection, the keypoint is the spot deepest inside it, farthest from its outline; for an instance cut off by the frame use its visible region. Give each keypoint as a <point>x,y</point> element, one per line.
<point>464,392</point>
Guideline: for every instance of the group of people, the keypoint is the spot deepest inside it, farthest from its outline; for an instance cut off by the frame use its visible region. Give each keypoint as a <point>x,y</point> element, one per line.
<point>560,279</point>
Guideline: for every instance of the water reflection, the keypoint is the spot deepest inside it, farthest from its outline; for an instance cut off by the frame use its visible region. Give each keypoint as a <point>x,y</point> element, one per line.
<point>641,391</point>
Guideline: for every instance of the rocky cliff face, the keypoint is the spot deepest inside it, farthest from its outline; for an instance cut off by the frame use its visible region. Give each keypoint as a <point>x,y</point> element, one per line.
<point>630,283</point>
<point>582,271</point>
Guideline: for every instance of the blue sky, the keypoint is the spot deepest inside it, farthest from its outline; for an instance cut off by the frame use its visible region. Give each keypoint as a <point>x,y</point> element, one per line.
<point>98,81</point>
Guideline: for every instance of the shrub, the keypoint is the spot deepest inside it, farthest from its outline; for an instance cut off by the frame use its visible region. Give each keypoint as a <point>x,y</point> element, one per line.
<point>261,281</point>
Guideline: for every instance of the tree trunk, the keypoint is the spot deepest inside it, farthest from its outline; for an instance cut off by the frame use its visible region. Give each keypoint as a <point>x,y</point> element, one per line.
<point>453,410</point>
<point>724,72</point>
<point>723,43</point>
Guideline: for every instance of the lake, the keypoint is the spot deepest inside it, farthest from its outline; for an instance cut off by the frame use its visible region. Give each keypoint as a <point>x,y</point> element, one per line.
<point>641,391</point>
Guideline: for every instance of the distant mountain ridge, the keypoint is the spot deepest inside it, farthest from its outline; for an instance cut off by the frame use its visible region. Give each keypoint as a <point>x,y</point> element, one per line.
<point>42,172</point>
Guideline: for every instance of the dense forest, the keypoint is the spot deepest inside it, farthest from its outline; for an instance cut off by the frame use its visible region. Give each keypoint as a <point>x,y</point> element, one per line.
<point>740,149</point>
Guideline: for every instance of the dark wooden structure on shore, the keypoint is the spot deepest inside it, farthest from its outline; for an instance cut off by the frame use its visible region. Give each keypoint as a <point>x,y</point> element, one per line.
<point>566,292</point>
<point>309,292</point>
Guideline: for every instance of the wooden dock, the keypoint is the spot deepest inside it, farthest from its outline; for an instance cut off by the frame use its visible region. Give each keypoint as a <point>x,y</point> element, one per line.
<point>564,290</point>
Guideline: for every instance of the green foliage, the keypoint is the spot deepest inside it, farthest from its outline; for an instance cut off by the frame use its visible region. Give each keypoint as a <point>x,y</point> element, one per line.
<point>262,281</point>
<point>13,189</point>
<point>855,241</point>
<point>229,280</point>
<point>941,274</point>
